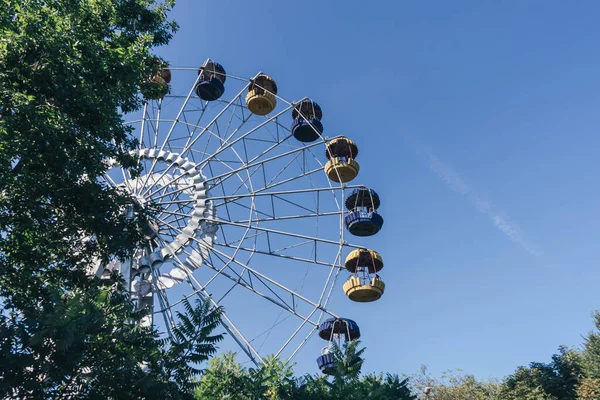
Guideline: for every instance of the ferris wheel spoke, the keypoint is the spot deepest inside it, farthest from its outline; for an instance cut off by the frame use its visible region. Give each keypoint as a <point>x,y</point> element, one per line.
<point>164,305</point>
<point>249,208</point>
<point>172,193</point>
<point>174,213</point>
<point>285,168</point>
<point>285,305</point>
<point>157,124</point>
<point>142,128</point>
<point>248,284</point>
<point>183,176</point>
<point>246,181</point>
<point>180,112</point>
<point>241,137</point>
<point>150,124</point>
<point>227,207</point>
<point>243,119</point>
<point>279,195</point>
<point>274,254</point>
<point>302,325</point>
<point>227,323</point>
<point>253,163</point>
<point>288,217</point>
<point>225,108</point>
<point>283,192</point>
<point>227,136</point>
<point>288,180</point>
<point>195,126</point>
<point>325,297</point>
<point>278,232</point>
<point>167,226</point>
<point>171,129</point>
<point>290,292</point>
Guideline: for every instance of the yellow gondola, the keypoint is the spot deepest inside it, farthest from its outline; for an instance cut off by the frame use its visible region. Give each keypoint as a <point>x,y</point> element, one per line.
<point>363,293</point>
<point>364,258</point>
<point>260,99</point>
<point>157,87</point>
<point>364,285</point>
<point>342,166</point>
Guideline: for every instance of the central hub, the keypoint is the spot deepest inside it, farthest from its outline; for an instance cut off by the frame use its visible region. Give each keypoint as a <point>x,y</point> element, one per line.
<point>178,199</point>
<point>140,200</point>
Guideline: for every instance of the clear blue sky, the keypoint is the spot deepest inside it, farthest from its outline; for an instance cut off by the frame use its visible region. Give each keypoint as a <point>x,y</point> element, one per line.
<point>477,123</point>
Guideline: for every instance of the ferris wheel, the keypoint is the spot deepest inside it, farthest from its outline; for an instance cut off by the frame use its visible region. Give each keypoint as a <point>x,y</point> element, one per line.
<point>251,209</point>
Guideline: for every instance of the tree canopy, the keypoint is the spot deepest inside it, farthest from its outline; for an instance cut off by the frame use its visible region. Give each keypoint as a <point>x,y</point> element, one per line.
<point>225,378</point>
<point>69,70</point>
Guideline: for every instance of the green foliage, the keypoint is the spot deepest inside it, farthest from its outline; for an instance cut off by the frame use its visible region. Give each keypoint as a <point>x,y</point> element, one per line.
<point>192,344</point>
<point>273,380</point>
<point>556,380</point>
<point>591,353</point>
<point>382,387</point>
<point>588,389</point>
<point>571,375</point>
<point>68,70</point>
<point>348,361</point>
<point>454,385</point>
<point>89,343</point>
<point>226,379</point>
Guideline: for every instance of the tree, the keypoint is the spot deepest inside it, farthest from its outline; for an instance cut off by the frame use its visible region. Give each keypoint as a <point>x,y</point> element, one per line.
<point>589,386</point>
<point>225,379</point>
<point>379,387</point>
<point>591,353</point>
<point>588,389</point>
<point>68,70</point>
<point>273,379</point>
<point>348,362</point>
<point>454,385</point>
<point>91,345</point>
<point>555,380</point>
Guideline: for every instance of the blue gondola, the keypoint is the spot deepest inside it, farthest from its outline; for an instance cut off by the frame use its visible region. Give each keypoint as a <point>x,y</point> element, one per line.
<point>211,85</point>
<point>304,132</point>
<point>363,223</point>
<point>363,219</point>
<point>341,326</point>
<point>307,125</point>
<point>326,364</point>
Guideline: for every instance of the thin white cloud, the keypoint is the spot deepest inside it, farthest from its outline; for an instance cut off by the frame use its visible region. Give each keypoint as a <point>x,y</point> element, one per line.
<point>458,185</point>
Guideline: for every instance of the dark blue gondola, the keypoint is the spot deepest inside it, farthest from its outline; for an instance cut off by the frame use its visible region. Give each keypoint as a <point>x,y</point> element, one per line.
<point>212,81</point>
<point>210,90</point>
<point>304,132</point>
<point>341,326</point>
<point>363,223</point>
<point>326,364</point>
<point>363,219</point>
<point>307,125</point>
<point>363,197</point>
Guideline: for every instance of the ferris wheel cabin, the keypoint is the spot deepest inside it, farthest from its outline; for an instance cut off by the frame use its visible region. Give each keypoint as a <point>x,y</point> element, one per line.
<point>363,219</point>
<point>260,99</point>
<point>365,285</point>
<point>335,330</point>
<point>341,167</point>
<point>211,81</point>
<point>307,126</point>
<point>157,86</point>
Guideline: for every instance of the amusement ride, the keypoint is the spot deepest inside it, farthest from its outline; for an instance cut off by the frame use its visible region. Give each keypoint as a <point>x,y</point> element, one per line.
<point>247,196</point>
